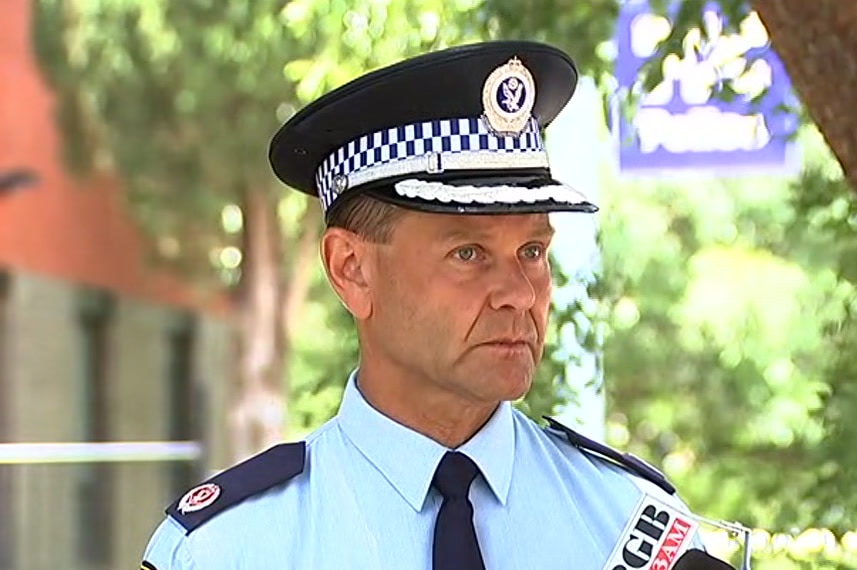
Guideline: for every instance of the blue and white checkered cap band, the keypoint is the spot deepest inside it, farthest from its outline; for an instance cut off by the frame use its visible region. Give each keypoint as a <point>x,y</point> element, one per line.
<point>427,147</point>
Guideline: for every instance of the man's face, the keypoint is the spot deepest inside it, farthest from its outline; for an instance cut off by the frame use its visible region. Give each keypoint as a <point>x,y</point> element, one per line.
<point>460,303</point>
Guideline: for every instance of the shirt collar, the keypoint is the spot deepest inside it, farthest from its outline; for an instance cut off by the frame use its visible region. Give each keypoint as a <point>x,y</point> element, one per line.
<point>384,442</point>
<point>493,450</point>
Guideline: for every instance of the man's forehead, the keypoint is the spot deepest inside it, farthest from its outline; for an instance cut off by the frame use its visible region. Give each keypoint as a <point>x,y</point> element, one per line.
<point>454,225</point>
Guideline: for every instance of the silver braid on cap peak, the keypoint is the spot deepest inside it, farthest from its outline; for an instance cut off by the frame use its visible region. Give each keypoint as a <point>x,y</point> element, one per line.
<point>427,147</point>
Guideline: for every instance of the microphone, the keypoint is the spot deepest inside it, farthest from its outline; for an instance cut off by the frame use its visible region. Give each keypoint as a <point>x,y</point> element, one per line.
<point>695,559</point>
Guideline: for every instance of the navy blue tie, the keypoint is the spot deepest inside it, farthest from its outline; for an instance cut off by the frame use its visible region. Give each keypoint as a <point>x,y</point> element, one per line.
<point>455,543</point>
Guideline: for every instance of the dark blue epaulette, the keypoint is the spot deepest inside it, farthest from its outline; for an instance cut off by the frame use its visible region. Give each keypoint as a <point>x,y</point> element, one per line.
<point>625,460</point>
<point>228,488</point>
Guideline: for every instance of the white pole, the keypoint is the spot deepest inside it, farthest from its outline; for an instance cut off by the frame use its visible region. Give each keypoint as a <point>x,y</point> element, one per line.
<point>576,144</point>
<point>98,452</point>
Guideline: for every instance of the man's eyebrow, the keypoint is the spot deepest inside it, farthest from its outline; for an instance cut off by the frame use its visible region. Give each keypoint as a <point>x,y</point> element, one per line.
<point>462,234</point>
<point>545,231</point>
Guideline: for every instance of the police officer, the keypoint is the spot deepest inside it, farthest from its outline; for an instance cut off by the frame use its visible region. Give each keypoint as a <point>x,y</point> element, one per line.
<point>436,189</point>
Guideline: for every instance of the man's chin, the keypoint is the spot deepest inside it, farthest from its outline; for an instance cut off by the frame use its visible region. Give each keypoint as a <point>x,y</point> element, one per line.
<point>516,388</point>
<point>494,380</point>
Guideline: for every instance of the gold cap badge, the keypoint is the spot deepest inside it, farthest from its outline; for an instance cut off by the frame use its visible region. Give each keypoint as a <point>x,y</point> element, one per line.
<point>508,96</point>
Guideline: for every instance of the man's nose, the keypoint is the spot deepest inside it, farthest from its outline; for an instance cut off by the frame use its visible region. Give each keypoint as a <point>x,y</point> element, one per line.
<point>513,288</point>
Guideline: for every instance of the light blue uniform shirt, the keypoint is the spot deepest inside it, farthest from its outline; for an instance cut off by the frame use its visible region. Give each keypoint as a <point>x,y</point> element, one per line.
<point>364,501</point>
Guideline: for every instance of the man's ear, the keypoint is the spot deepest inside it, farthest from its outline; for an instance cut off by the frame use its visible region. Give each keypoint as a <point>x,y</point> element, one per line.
<point>345,256</point>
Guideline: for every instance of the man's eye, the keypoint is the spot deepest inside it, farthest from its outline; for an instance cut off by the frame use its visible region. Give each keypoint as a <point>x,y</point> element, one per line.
<point>467,253</point>
<point>534,251</point>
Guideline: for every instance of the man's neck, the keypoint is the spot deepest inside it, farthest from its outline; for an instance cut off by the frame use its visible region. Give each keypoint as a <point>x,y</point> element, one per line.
<point>443,417</point>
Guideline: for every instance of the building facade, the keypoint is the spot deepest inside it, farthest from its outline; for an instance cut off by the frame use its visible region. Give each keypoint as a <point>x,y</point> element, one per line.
<point>94,347</point>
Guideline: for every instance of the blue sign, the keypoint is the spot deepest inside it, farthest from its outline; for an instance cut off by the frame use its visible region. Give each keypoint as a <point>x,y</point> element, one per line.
<point>682,124</point>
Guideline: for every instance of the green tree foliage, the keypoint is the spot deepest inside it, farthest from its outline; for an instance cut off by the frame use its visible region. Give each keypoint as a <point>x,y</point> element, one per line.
<point>830,212</point>
<point>728,360</point>
<point>583,29</point>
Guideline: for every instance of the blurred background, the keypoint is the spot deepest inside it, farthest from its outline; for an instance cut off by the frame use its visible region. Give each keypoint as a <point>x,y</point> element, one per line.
<point>163,314</point>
